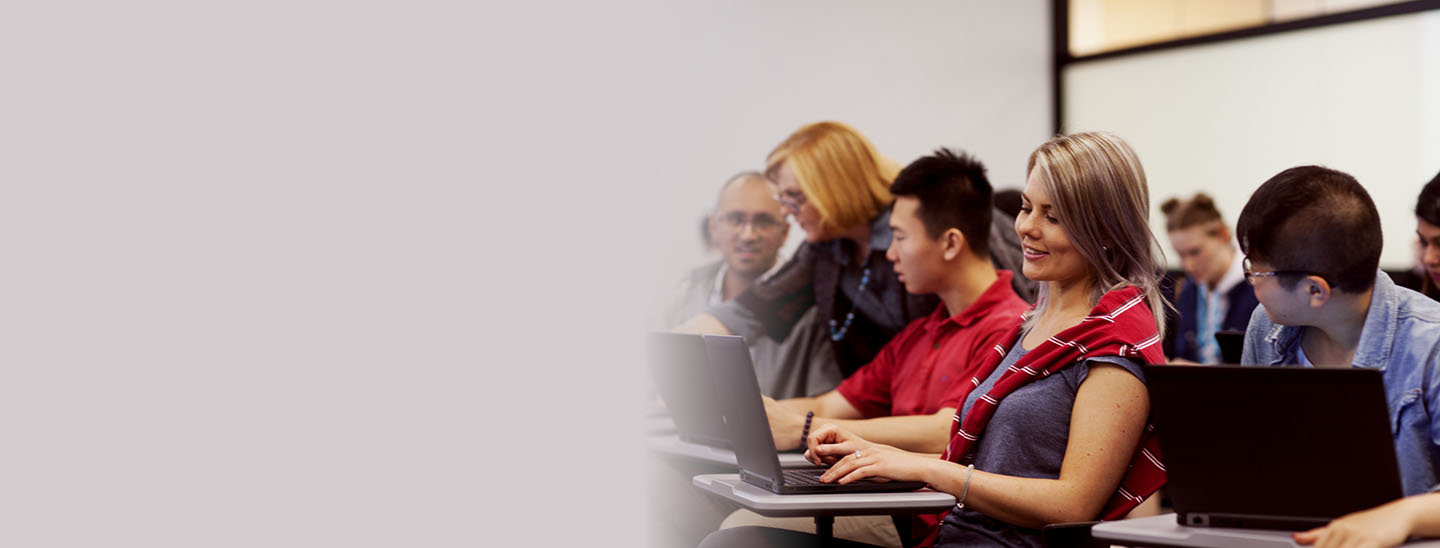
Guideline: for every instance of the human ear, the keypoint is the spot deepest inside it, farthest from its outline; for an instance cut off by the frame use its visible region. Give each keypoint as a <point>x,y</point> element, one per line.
<point>1318,290</point>
<point>714,226</point>
<point>952,243</point>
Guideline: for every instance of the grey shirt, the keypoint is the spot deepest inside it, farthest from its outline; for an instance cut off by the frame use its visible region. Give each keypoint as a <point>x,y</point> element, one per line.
<point>1026,437</point>
<point>799,366</point>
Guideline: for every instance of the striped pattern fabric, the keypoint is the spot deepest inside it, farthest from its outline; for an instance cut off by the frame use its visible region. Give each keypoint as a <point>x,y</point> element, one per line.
<point>1120,325</point>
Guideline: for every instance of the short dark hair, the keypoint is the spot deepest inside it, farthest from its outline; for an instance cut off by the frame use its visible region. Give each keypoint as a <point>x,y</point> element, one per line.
<point>953,192</point>
<point>1427,208</point>
<point>1314,219</point>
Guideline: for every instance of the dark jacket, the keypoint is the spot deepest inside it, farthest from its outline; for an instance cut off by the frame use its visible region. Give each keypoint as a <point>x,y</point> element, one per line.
<point>1186,299</point>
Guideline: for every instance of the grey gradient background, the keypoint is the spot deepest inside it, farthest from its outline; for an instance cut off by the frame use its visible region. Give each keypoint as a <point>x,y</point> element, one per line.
<point>322,273</point>
<point>318,273</point>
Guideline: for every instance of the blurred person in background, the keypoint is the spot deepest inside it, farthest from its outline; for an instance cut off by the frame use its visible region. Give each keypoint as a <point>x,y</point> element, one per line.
<point>748,228</point>
<point>1214,295</point>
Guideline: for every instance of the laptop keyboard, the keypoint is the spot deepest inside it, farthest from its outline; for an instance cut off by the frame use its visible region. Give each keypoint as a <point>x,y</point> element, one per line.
<point>802,477</point>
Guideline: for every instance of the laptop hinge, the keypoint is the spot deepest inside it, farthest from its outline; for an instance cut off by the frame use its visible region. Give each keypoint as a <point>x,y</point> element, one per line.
<point>757,479</point>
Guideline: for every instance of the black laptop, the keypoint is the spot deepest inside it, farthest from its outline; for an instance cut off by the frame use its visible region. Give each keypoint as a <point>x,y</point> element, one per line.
<point>681,369</point>
<point>750,429</point>
<point>1272,447</point>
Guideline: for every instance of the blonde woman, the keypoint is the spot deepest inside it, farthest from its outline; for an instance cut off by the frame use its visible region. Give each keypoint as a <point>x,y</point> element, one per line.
<point>1055,430</point>
<point>836,185</point>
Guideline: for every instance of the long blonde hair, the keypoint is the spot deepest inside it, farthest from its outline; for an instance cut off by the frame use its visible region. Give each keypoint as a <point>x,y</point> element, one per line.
<point>1098,188</point>
<point>839,171</point>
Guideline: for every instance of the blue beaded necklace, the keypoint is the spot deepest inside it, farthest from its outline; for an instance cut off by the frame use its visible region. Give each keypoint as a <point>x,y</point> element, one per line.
<point>837,334</point>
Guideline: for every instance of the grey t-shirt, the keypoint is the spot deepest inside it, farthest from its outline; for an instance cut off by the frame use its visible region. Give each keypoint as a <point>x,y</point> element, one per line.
<point>1026,437</point>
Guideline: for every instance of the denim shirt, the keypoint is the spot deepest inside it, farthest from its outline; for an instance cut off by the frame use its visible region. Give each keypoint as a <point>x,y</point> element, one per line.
<point>1401,338</point>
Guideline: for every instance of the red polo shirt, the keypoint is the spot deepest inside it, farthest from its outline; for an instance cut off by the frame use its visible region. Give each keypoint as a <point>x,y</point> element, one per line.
<point>927,366</point>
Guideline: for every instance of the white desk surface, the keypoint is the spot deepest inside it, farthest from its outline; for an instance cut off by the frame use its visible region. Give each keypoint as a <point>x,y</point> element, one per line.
<point>767,503</point>
<point>674,446</point>
<point>1163,530</point>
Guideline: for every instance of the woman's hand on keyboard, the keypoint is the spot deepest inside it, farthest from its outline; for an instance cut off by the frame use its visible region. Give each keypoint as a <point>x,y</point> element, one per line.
<point>881,461</point>
<point>828,444</point>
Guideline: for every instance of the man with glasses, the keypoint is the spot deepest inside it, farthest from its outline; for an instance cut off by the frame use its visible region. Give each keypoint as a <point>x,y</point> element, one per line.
<point>748,228</point>
<point>1312,242</point>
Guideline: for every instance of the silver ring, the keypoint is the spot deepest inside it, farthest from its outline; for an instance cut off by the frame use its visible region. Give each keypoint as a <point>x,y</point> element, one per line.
<point>857,455</point>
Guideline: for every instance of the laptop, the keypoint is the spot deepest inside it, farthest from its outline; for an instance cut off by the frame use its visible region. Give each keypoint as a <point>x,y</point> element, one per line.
<point>1286,448</point>
<point>681,369</point>
<point>750,434</point>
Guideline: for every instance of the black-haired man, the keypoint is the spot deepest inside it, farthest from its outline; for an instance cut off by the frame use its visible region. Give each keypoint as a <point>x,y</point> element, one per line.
<point>1312,240</point>
<point>907,395</point>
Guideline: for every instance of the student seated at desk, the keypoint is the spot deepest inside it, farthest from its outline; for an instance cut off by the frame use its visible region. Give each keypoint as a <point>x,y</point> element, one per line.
<point>1055,428</point>
<point>1214,295</point>
<point>1312,242</point>
<point>907,396</point>
<point>837,187</point>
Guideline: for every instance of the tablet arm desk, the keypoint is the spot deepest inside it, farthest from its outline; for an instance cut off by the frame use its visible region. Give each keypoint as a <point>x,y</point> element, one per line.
<point>823,507</point>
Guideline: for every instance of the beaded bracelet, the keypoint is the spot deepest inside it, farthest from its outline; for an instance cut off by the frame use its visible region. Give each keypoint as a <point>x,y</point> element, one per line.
<point>805,434</point>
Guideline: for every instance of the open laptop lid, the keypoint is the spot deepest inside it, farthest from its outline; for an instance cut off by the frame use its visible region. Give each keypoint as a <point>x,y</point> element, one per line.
<point>681,368</point>
<point>1272,447</point>
<point>739,390</point>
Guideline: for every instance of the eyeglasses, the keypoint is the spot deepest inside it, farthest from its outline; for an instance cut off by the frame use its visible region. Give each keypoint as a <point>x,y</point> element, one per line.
<point>790,200</point>
<point>1251,274</point>
<point>763,223</point>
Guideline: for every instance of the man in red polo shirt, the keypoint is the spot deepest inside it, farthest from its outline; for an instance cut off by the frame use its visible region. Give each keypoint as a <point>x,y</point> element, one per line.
<point>907,395</point>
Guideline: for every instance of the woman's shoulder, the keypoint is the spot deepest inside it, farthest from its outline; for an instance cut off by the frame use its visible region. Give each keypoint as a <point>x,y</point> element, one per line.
<point>1122,302</point>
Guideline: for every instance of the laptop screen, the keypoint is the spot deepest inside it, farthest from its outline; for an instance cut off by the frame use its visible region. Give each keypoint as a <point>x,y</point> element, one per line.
<point>1280,446</point>
<point>681,368</point>
<point>744,409</point>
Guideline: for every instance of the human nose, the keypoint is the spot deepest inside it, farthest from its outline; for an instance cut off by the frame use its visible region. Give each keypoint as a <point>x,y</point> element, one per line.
<point>1189,263</point>
<point>748,230</point>
<point>1431,256</point>
<point>1024,226</point>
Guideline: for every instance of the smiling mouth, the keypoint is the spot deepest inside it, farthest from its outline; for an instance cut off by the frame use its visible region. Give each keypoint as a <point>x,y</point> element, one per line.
<point>1032,254</point>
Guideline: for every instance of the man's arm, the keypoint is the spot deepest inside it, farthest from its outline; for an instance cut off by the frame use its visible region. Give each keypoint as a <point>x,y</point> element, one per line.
<point>917,433</point>
<point>914,433</point>
<point>830,404</point>
<point>1385,525</point>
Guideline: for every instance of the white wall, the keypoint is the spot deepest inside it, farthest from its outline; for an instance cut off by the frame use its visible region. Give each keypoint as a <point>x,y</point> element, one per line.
<point>1363,98</point>
<point>912,76</point>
